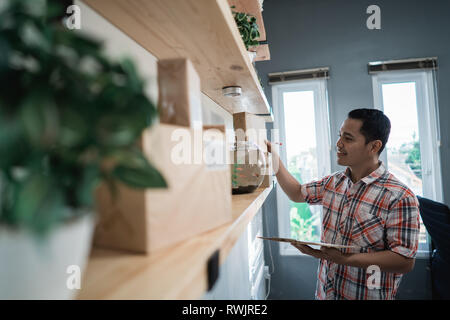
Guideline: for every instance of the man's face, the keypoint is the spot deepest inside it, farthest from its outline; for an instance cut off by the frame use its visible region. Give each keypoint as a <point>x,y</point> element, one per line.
<point>352,149</point>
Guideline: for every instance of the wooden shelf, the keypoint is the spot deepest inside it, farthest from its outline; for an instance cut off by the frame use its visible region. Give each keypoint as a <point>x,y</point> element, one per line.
<point>203,31</point>
<point>178,272</point>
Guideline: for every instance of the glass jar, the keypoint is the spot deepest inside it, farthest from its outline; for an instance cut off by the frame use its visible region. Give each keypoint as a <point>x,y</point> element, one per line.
<point>248,167</point>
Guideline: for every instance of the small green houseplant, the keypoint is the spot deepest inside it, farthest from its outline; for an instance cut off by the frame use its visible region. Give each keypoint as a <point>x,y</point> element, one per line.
<point>248,28</point>
<point>69,118</point>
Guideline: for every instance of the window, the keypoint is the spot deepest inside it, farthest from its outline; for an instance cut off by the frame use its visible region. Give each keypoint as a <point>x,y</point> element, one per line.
<point>301,111</point>
<point>412,152</point>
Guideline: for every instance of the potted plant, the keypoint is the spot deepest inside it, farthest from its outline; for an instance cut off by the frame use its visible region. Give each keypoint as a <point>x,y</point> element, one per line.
<point>69,118</point>
<point>248,28</point>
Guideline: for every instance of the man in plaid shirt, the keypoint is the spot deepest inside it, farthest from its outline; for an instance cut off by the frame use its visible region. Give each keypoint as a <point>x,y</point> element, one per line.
<point>366,207</point>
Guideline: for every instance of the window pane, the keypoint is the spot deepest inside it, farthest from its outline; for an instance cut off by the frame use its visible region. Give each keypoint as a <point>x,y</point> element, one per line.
<point>403,148</point>
<point>302,160</point>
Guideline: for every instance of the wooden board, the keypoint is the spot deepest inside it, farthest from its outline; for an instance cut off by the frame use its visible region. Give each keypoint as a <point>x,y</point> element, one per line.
<point>203,31</point>
<point>197,198</point>
<point>179,272</point>
<point>262,53</point>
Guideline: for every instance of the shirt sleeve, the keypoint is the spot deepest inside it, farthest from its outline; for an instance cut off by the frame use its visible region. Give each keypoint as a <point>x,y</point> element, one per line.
<point>313,191</point>
<point>402,227</point>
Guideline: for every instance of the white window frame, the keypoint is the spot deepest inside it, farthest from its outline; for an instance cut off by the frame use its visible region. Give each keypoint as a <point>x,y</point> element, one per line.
<point>428,128</point>
<point>319,87</point>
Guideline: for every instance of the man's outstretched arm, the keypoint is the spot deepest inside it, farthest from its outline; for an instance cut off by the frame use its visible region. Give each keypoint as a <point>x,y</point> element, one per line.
<point>287,182</point>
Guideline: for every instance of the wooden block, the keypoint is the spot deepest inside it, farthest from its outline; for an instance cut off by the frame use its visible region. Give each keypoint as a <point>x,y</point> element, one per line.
<point>220,127</point>
<point>253,126</point>
<point>262,52</point>
<point>198,199</point>
<point>179,100</point>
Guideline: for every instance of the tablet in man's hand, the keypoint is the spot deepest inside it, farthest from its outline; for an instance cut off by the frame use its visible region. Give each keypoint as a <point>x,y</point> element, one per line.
<point>293,241</point>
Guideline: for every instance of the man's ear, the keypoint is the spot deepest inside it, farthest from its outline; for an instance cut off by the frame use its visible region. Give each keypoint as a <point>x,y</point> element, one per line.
<point>376,146</point>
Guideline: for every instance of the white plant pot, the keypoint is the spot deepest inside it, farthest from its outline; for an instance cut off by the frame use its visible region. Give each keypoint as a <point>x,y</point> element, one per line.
<point>251,55</point>
<point>31,269</point>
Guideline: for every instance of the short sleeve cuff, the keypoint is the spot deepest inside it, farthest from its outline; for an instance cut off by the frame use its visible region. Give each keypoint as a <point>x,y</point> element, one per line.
<point>303,191</point>
<point>408,253</point>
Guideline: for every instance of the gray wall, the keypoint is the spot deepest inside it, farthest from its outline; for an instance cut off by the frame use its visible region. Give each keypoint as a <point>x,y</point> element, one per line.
<point>307,34</point>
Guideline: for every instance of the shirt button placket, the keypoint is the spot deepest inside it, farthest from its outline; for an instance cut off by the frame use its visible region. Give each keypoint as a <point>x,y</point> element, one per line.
<point>331,275</point>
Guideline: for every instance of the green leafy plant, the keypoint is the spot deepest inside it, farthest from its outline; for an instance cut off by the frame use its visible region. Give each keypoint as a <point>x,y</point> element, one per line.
<point>412,152</point>
<point>413,160</point>
<point>304,224</point>
<point>304,229</point>
<point>248,28</point>
<point>69,118</point>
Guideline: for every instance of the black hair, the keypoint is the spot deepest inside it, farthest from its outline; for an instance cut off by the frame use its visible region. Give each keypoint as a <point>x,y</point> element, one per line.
<point>375,125</point>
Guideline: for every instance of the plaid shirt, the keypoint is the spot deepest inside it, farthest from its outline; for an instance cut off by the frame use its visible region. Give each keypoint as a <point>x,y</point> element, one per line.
<point>376,213</point>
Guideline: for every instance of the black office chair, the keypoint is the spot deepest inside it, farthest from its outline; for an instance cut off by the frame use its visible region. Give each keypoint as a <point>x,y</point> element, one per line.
<point>436,218</point>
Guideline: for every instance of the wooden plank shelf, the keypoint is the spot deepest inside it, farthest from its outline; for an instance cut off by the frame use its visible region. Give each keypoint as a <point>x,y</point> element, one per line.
<point>178,272</point>
<point>203,31</point>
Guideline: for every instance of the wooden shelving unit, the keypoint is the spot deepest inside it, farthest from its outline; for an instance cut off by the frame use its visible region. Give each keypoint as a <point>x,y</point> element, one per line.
<point>178,272</point>
<point>203,31</point>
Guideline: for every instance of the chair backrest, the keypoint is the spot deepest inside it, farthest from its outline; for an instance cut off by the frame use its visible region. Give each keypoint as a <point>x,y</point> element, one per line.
<point>436,218</point>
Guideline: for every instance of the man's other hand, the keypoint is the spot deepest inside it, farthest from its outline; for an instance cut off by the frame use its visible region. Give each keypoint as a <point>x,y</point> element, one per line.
<point>329,254</point>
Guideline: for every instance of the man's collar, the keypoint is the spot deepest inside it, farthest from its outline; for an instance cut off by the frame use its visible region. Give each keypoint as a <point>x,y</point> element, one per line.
<point>381,170</point>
